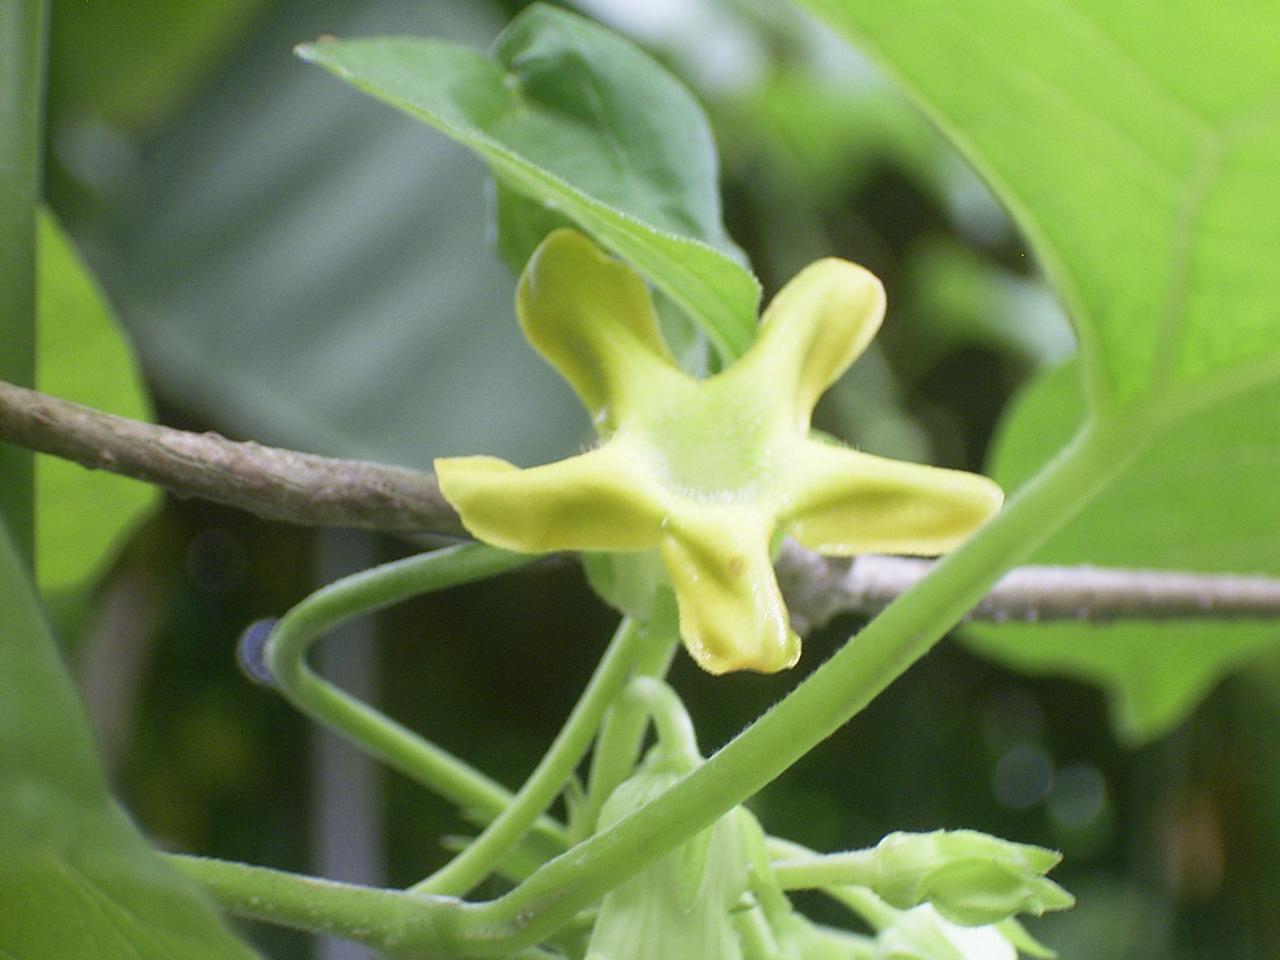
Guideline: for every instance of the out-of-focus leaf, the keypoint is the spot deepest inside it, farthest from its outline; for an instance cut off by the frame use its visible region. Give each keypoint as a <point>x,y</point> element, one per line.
<point>960,299</point>
<point>131,62</point>
<point>1136,148</point>
<point>77,882</point>
<point>578,118</point>
<point>1203,498</point>
<point>831,136</point>
<point>311,270</point>
<point>82,517</point>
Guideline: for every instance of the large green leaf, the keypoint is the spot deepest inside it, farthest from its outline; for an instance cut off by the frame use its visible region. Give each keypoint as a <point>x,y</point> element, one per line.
<point>1203,498</point>
<point>82,517</point>
<point>1136,144</point>
<point>577,118</point>
<point>77,882</point>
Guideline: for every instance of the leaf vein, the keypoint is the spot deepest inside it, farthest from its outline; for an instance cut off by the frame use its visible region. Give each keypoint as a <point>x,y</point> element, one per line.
<point>1178,287</point>
<point>1066,101</point>
<point>1135,66</point>
<point>96,897</point>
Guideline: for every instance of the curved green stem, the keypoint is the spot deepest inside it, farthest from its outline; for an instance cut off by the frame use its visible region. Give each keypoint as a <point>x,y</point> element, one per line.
<point>621,735</point>
<point>399,747</point>
<point>390,921</point>
<point>858,867</point>
<point>757,939</point>
<point>864,903</point>
<point>23,32</point>
<point>554,770</point>
<point>671,720</point>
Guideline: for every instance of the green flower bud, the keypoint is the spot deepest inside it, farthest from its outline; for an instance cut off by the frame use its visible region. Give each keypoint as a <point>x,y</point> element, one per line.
<point>970,877</point>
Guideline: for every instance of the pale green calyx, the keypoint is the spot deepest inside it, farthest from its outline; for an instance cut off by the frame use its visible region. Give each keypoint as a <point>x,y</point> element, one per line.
<point>681,905</point>
<point>706,471</point>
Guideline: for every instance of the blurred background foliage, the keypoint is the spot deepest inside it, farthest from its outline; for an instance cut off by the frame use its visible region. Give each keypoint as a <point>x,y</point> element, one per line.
<point>299,265</point>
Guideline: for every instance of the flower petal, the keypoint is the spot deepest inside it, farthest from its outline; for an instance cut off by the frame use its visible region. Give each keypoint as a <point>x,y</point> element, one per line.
<point>814,328</point>
<point>732,616</point>
<point>591,317</point>
<point>595,501</point>
<point>844,502</point>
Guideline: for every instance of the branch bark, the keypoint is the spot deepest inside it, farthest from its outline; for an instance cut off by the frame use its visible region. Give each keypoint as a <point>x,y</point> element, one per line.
<point>311,490</point>
<point>818,588</point>
<point>269,482</point>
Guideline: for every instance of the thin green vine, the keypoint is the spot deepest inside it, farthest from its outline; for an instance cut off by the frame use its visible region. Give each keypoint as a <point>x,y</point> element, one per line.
<point>618,746</point>
<point>552,773</point>
<point>401,748</point>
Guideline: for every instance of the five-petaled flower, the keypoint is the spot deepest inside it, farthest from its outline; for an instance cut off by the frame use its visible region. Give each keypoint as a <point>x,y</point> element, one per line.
<point>707,471</point>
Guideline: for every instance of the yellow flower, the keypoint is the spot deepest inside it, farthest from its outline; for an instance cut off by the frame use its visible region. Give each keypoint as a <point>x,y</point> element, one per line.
<point>706,471</point>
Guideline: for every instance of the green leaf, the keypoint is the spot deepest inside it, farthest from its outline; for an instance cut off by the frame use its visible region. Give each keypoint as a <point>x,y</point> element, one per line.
<point>578,119</point>
<point>1136,146</point>
<point>521,224</point>
<point>82,518</point>
<point>77,882</point>
<point>1202,498</point>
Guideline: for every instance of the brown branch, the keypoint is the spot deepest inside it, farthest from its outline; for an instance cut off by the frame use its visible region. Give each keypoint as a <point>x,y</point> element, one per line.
<point>310,490</point>
<point>266,481</point>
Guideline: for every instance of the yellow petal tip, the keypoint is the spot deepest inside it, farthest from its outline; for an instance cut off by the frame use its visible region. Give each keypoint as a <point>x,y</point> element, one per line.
<point>718,658</point>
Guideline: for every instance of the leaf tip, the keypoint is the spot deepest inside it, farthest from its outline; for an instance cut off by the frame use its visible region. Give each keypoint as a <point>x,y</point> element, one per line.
<point>309,51</point>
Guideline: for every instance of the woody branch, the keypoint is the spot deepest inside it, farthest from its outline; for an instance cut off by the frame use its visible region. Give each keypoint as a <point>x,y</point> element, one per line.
<point>310,490</point>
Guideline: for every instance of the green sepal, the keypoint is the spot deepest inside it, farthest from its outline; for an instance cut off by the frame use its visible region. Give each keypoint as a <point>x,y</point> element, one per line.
<point>628,582</point>
<point>1017,934</point>
<point>679,906</point>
